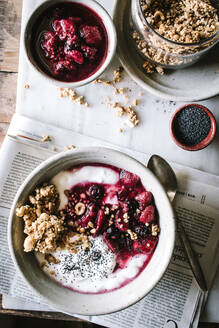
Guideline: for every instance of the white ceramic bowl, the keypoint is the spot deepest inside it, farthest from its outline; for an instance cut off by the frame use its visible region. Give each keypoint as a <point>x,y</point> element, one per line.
<point>71,302</point>
<point>110,29</point>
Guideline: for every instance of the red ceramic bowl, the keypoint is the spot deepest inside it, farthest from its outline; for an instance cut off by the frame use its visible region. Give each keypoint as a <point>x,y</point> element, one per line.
<point>206,141</point>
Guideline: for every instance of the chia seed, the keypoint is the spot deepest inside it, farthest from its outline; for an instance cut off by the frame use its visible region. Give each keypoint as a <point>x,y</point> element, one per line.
<point>191,125</point>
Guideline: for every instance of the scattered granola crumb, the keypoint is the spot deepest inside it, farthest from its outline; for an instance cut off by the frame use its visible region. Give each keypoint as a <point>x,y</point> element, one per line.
<point>140,94</point>
<point>135,102</point>
<point>54,148</point>
<point>72,95</point>
<point>69,147</point>
<point>121,130</point>
<point>52,272</point>
<point>46,138</point>
<point>27,86</point>
<point>132,120</point>
<point>102,81</point>
<point>117,75</point>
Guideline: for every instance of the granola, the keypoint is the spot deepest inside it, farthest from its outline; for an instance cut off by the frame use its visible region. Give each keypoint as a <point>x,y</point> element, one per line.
<point>72,95</point>
<point>42,223</point>
<point>185,21</point>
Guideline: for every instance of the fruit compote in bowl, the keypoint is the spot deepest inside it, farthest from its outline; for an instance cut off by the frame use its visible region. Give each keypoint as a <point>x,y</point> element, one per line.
<point>70,42</point>
<point>98,231</point>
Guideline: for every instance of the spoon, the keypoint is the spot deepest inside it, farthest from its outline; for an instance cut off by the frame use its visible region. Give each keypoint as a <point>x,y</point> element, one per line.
<point>165,174</point>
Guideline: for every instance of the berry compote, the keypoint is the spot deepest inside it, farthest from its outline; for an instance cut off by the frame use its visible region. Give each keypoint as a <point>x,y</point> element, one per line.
<point>124,213</point>
<point>69,42</point>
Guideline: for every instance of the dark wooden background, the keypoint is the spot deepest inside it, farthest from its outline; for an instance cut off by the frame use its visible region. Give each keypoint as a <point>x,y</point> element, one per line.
<point>10,18</point>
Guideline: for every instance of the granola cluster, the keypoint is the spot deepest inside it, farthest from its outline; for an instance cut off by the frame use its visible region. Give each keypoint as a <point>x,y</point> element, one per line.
<point>42,223</point>
<point>184,21</point>
<point>73,96</point>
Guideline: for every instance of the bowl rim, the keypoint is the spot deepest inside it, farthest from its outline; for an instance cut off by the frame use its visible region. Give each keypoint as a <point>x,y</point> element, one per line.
<point>112,42</point>
<point>206,141</point>
<point>54,159</point>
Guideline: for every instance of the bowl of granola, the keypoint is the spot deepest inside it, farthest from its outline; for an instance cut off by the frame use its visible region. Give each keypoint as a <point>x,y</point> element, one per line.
<point>174,34</point>
<point>91,231</point>
<point>71,42</point>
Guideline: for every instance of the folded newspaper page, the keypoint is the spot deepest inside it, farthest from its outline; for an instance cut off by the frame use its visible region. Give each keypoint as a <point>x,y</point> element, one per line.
<point>177,300</point>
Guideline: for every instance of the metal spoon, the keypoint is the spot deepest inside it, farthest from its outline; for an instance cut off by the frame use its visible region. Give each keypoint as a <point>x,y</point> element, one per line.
<point>167,178</point>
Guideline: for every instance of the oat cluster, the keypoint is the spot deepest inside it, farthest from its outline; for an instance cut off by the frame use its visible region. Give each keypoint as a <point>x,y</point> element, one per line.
<point>42,224</point>
<point>72,95</point>
<point>183,21</point>
<point>45,225</point>
<point>132,117</point>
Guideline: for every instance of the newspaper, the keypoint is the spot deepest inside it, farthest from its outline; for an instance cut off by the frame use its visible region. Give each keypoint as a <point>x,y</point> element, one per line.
<point>177,300</point>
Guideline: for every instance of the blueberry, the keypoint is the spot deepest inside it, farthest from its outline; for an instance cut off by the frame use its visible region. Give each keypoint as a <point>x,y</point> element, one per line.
<point>109,230</point>
<point>142,231</point>
<point>96,192</point>
<point>132,204</point>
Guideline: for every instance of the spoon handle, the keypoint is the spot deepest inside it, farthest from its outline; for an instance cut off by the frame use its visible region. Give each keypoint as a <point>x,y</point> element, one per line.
<point>193,261</point>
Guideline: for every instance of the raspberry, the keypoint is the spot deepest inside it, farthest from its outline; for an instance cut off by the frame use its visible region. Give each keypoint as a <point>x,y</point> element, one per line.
<point>49,44</point>
<point>64,28</point>
<point>91,34</point>
<point>89,52</point>
<point>76,56</point>
<point>123,258</point>
<point>129,179</point>
<point>147,215</point>
<point>64,66</point>
<point>144,199</point>
<point>146,245</point>
<point>71,43</point>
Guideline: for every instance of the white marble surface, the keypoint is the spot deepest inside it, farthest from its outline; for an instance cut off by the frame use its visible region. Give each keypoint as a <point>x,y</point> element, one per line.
<point>42,102</point>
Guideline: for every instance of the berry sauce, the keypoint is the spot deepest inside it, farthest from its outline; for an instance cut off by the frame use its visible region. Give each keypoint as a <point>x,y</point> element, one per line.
<point>69,42</point>
<point>122,213</point>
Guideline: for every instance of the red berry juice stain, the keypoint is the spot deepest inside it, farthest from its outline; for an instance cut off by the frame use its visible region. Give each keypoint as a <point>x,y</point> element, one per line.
<point>69,42</point>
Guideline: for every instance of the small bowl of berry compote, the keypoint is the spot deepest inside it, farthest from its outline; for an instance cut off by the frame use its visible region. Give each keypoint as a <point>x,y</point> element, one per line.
<point>70,42</point>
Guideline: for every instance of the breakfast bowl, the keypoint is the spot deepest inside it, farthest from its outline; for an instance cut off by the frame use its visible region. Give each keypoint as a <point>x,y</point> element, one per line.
<point>115,171</point>
<point>70,43</point>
